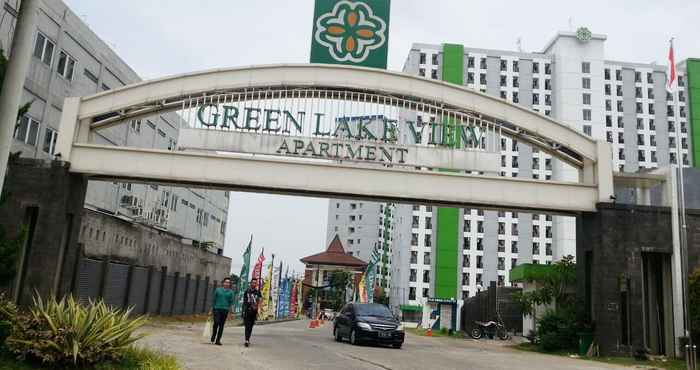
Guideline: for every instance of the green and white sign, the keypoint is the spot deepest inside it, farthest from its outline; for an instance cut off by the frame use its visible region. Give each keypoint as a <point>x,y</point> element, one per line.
<point>354,32</point>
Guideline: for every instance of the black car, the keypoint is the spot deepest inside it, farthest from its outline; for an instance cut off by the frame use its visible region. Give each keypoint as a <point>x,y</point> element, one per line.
<point>368,322</point>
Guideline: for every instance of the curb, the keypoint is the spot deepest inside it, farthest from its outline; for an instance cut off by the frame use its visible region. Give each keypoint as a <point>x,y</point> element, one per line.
<point>270,322</point>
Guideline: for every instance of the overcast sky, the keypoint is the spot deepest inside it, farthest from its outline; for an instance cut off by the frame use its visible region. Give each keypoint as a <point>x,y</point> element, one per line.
<point>163,37</point>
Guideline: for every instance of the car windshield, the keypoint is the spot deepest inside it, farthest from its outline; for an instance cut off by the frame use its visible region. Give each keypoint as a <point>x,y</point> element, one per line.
<point>376,310</point>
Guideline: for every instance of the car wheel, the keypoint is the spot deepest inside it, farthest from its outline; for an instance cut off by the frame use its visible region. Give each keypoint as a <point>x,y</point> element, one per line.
<point>353,338</point>
<point>476,333</point>
<point>336,334</point>
<point>397,345</point>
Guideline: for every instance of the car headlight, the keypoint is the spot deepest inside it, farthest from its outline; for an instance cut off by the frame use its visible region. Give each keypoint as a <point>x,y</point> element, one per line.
<point>400,327</point>
<point>364,325</point>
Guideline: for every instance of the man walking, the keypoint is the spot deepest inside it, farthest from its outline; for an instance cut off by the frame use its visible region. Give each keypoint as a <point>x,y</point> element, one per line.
<point>223,299</point>
<point>251,299</point>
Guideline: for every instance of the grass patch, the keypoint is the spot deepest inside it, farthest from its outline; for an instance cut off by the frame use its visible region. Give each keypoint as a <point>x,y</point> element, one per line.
<point>669,364</point>
<point>136,358</point>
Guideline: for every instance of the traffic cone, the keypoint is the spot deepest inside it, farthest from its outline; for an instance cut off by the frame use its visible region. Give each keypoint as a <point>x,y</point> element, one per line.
<point>429,333</point>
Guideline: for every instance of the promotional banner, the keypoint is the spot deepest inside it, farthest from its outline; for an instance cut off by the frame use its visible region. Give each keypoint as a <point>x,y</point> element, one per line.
<point>351,32</point>
<point>257,270</point>
<point>300,298</point>
<point>264,311</point>
<point>362,290</point>
<point>370,276</point>
<point>243,277</point>
<point>293,300</point>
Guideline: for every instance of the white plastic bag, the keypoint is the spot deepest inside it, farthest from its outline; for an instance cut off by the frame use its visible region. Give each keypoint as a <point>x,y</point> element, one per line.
<point>206,332</point>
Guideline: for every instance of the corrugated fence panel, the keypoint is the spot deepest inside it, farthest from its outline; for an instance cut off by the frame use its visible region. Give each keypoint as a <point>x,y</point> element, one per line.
<point>115,286</point>
<point>189,299</point>
<point>89,276</point>
<point>154,294</point>
<point>137,290</point>
<point>166,306</point>
<point>179,307</point>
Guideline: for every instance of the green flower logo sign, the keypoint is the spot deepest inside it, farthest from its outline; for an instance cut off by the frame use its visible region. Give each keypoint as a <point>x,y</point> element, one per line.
<point>350,31</point>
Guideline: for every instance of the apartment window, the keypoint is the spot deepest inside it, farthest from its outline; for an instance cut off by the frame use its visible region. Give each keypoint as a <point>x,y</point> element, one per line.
<point>501,263</point>
<point>66,65</point>
<point>421,72</point>
<point>516,66</point>
<point>412,293</point>
<point>43,48</point>
<point>547,69</point>
<point>548,164</point>
<point>672,158</point>
<point>465,279</point>
<point>651,109</point>
<point>50,140</point>
<point>504,94</point>
<point>620,139</point>
<point>514,162</point>
<point>639,108</point>
<point>608,90</point>
<point>480,226</point>
<point>669,111</point>
<point>90,76</point>
<point>650,93</point>
<point>548,84</point>
<point>470,62</point>
<point>619,106</point>
<point>514,247</point>
<point>427,240</point>
<point>414,239</point>
<point>422,58</point>
<point>504,80</point>
<point>353,206</point>
<point>27,131</point>
<point>535,67</point>
<point>433,74</point>
<point>501,228</point>
<point>516,82</point>
<point>671,142</point>
<point>548,249</point>
<point>585,67</point>
<point>466,243</point>
<point>413,275</point>
<point>618,90</point>
<point>535,231</point>
<point>652,140</point>
<point>428,223</point>
<point>482,63</point>
<point>516,98</point>
<point>482,79</point>
<point>547,100</point>
<point>640,139</point>
<point>618,75</point>
<point>586,114</point>
<point>414,257</point>
<point>650,78</point>
<point>479,244</point>
<point>586,99</point>
<point>609,137</point>
<point>654,159</point>
<point>637,92</point>
<point>479,262</point>
<point>608,121</point>
<point>535,99</point>
<point>587,130</point>
<point>513,229</point>
<point>426,276</point>
<point>608,105</point>
<point>470,77</point>
<point>607,74</point>
<point>504,65</point>
<point>535,248</point>
<point>586,82</point>
<point>435,59</point>
<point>637,76</point>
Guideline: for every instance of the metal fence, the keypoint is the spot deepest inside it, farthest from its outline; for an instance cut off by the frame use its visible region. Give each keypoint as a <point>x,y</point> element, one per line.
<point>490,304</point>
<point>144,289</point>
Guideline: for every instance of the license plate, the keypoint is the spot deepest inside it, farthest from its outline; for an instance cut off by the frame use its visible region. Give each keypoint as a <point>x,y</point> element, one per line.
<point>384,334</point>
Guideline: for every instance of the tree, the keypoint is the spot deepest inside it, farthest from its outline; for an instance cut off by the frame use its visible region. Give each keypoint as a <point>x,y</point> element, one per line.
<point>554,287</point>
<point>380,296</point>
<point>340,281</point>
<point>10,248</point>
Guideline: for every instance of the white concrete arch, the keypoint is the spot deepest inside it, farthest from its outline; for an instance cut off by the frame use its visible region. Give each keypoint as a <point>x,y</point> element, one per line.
<point>81,115</point>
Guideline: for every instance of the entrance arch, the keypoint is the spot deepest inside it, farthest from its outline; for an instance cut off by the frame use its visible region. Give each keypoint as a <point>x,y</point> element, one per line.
<point>456,111</point>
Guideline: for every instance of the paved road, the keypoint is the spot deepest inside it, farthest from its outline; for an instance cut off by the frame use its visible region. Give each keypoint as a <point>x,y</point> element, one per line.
<point>292,345</point>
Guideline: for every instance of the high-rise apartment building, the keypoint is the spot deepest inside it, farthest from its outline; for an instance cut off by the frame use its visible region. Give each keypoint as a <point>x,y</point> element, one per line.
<point>571,81</point>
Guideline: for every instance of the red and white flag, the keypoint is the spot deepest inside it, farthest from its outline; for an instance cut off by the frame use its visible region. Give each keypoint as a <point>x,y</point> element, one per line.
<point>671,78</point>
<point>257,270</point>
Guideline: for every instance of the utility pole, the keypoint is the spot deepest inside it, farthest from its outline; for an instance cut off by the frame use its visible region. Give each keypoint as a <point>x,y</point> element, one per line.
<point>17,66</point>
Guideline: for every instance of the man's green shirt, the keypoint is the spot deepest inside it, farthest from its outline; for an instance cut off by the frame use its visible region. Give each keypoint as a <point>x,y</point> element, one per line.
<point>223,299</point>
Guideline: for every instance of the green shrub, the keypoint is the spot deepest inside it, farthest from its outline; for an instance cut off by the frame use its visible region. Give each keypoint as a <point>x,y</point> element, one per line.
<point>557,331</point>
<point>65,332</point>
<point>8,314</point>
<point>143,359</point>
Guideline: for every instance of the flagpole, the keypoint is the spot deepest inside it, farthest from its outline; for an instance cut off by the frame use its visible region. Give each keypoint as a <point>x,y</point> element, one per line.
<point>680,189</point>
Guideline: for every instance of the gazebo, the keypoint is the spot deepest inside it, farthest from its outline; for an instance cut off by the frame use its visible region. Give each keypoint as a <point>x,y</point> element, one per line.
<point>320,266</point>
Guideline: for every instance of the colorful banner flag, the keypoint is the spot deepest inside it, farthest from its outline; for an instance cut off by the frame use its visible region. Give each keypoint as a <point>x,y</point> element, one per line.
<point>300,297</point>
<point>293,300</point>
<point>362,290</point>
<point>671,78</point>
<point>257,270</point>
<point>243,277</point>
<point>264,311</point>
<point>370,275</point>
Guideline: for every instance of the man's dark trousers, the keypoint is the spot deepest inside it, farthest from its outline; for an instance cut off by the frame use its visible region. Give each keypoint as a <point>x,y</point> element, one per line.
<point>248,322</point>
<point>219,320</point>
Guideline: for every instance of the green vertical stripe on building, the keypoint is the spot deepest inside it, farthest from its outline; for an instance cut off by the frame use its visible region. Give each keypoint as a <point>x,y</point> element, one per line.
<point>447,239</point>
<point>693,103</point>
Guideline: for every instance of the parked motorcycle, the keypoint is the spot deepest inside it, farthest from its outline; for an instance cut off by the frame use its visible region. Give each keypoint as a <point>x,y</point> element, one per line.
<point>490,328</point>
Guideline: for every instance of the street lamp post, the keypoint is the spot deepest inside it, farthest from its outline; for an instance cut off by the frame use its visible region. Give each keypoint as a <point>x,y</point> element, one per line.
<point>11,93</point>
